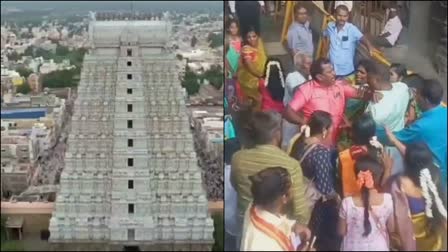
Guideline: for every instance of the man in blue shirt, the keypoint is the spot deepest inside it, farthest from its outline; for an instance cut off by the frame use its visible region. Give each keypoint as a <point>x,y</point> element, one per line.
<point>429,128</point>
<point>300,37</point>
<point>344,39</point>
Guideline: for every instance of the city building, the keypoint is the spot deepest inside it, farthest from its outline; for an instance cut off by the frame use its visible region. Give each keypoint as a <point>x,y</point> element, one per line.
<point>131,176</point>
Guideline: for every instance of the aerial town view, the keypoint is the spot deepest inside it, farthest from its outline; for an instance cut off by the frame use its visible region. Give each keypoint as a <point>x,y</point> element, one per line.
<point>111,126</point>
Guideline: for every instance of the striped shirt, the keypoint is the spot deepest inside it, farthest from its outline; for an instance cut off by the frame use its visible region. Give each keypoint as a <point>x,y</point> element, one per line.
<point>248,162</point>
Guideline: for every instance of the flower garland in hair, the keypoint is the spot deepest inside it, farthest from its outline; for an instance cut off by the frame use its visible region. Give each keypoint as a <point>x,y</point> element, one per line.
<point>427,184</point>
<point>268,71</point>
<point>305,129</point>
<point>375,143</point>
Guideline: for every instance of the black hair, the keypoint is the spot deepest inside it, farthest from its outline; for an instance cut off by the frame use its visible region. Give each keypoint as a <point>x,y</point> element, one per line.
<point>319,121</point>
<point>247,31</point>
<point>368,163</point>
<point>399,69</point>
<point>230,22</point>
<point>341,7</point>
<point>269,184</point>
<point>316,67</point>
<point>418,157</point>
<point>299,6</point>
<point>414,81</point>
<point>256,127</point>
<point>431,91</point>
<point>363,129</point>
<point>370,66</point>
<point>275,86</point>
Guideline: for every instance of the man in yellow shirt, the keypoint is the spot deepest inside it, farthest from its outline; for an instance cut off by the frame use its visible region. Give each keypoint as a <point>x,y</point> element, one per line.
<point>262,133</point>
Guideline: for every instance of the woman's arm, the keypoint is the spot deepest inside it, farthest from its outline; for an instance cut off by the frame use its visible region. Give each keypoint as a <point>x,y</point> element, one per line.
<point>246,60</point>
<point>388,164</point>
<point>251,69</point>
<point>342,227</point>
<point>342,223</point>
<point>400,146</point>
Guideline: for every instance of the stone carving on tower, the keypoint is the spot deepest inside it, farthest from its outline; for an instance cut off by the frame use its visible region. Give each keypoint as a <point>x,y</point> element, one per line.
<point>131,175</point>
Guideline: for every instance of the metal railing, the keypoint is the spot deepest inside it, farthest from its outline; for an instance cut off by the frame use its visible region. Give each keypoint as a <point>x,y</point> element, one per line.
<point>319,22</point>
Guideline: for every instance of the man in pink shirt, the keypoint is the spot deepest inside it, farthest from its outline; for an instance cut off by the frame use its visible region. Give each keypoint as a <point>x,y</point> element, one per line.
<point>324,93</point>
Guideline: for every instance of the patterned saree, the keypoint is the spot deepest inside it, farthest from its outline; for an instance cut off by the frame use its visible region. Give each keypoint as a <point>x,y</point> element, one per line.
<point>248,83</point>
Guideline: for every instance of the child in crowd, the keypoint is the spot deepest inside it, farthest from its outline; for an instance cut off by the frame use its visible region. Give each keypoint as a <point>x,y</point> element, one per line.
<point>364,142</point>
<point>233,50</point>
<point>366,219</point>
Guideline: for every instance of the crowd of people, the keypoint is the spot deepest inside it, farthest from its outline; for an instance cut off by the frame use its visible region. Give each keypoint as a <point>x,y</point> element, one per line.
<point>335,155</point>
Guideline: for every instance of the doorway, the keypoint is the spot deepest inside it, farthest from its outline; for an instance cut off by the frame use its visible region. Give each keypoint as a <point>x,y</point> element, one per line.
<point>131,248</point>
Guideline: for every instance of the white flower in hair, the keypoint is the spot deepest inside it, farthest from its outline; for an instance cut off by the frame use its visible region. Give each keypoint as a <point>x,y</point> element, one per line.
<point>305,129</point>
<point>375,143</point>
<point>268,71</point>
<point>428,185</point>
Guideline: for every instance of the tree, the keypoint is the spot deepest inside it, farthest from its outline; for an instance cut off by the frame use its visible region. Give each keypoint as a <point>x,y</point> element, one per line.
<point>25,72</point>
<point>215,39</point>
<point>194,41</point>
<point>179,56</point>
<point>62,50</point>
<point>29,51</point>
<point>215,76</point>
<point>23,89</point>
<point>58,79</point>
<point>190,82</point>
<point>14,56</point>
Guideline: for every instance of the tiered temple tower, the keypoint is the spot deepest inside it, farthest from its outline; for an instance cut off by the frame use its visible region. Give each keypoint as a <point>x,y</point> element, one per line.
<point>131,176</point>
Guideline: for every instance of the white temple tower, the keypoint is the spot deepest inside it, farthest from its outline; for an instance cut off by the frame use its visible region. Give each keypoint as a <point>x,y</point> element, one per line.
<point>131,176</point>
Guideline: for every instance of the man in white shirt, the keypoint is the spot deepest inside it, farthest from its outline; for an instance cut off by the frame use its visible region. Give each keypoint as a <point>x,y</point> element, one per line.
<point>302,63</point>
<point>248,13</point>
<point>390,110</point>
<point>391,30</point>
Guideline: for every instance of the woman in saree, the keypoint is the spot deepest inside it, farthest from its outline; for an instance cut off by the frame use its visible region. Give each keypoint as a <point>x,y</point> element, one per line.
<point>272,88</point>
<point>315,159</point>
<point>354,107</point>
<point>419,202</point>
<point>252,69</point>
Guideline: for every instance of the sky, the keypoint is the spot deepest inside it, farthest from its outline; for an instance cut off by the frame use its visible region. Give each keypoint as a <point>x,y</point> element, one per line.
<point>154,6</point>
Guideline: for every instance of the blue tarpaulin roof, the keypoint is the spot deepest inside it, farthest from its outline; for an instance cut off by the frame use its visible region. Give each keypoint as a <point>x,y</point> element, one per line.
<point>31,113</point>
